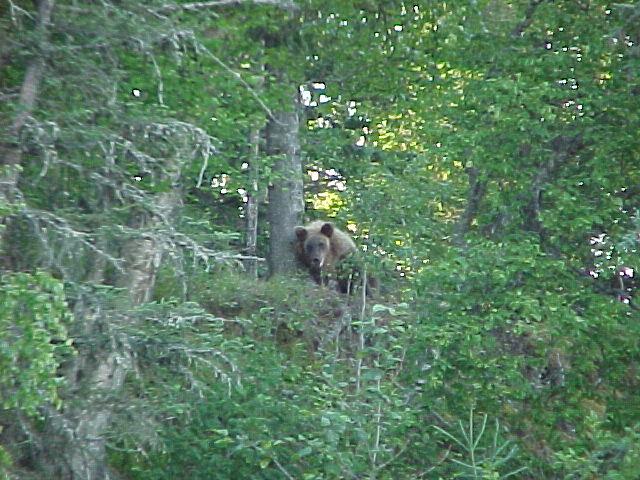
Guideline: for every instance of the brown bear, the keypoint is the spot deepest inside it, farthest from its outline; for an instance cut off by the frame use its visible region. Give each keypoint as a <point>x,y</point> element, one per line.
<point>321,247</point>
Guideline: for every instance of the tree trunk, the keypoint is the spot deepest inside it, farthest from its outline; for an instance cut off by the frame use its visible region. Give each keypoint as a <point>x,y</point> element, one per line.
<point>252,195</point>
<point>252,205</point>
<point>286,201</point>
<point>74,445</point>
<point>477,190</point>
<point>11,154</point>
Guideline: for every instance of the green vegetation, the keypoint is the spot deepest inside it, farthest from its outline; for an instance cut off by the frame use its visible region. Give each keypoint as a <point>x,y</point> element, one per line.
<point>33,320</point>
<point>484,154</point>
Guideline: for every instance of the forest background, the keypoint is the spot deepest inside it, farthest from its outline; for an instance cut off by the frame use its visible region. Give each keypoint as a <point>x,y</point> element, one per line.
<point>483,153</point>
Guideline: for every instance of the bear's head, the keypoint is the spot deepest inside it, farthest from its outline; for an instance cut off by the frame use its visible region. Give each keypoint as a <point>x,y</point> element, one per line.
<point>315,246</point>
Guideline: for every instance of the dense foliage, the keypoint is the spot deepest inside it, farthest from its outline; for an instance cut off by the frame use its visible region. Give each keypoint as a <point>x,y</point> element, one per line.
<point>483,153</point>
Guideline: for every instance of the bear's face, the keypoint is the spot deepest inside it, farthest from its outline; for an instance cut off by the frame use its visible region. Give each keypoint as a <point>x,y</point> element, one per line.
<point>316,247</point>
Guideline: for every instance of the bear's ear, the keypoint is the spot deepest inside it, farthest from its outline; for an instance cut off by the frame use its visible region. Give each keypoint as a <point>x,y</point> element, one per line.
<point>327,230</point>
<point>301,233</point>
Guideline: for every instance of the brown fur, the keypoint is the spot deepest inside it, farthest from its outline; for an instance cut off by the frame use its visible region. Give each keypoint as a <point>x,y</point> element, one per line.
<point>320,247</point>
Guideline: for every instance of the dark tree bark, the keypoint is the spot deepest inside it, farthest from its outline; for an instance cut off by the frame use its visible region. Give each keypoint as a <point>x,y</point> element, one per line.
<point>286,201</point>
<point>563,148</point>
<point>477,190</point>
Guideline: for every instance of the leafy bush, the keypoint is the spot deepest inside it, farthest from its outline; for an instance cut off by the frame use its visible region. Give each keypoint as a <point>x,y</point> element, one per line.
<point>33,339</point>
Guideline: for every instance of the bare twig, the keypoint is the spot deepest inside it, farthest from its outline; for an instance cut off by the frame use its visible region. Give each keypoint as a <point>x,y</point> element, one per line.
<point>378,420</point>
<point>176,36</point>
<point>195,6</point>
<point>159,77</point>
<point>63,228</point>
<point>243,82</point>
<point>361,329</point>
<point>205,164</point>
<point>15,9</point>
<point>282,469</point>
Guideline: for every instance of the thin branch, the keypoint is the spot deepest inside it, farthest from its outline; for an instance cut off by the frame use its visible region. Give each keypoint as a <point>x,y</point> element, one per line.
<point>8,96</point>
<point>205,164</point>
<point>195,6</point>
<point>175,36</point>
<point>15,9</point>
<point>395,457</point>
<point>61,225</point>
<point>282,469</point>
<point>361,330</point>
<point>528,19</point>
<point>378,420</point>
<point>156,68</point>
<point>242,81</point>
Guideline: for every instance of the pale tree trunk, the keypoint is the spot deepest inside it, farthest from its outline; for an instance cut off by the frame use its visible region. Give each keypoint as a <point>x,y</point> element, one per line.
<point>252,210</point>
<point>286,201</point>
<point>74,445</point>
<point>286,196</point>
<point>143,255</point>
<point>11,155</point>
<point>251,264</point>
